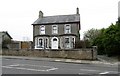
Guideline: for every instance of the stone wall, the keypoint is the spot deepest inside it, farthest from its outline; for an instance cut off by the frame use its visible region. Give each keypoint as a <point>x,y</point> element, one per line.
<point>84,54</point>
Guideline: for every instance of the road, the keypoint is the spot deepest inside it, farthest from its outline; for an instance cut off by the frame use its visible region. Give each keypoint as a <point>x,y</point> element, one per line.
<point>22,66</point>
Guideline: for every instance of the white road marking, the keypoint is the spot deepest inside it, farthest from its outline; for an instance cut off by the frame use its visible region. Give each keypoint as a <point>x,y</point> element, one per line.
<point>57,60</point>
<point>104,73</point>
<point>34,65</point>
<point>99,71</point>
<point>23,68</point>
<point>88,70</point>
<point>18,66</point>
<point>51,69</point>
<point>6,59</point>
<point>14,65</point>
<point>81,73</point>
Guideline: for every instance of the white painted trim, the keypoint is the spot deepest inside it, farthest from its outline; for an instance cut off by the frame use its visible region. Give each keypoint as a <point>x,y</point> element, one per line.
<point>54,44</point>
<point>65,28</point>
<point>47,43</point>
<point>56,27</point>
<point>73,46</point>
<point>40,29</point>
<point>69,43</point>
<point>43,42</point>
<point>37,39</point>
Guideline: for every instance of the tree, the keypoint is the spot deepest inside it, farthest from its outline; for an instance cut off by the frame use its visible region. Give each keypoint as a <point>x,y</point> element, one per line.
<point>91,35</point>
<point>108,41</point>
<point>98,41</point>
<point>112,40</point>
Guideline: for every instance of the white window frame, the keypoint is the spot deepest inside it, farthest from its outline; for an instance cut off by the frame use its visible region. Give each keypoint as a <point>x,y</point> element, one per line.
<point>73,42</point>
<point>36,42</point>
<point>67,46</point>
<point>41,29</point>
<point>42,43</point>
<point>46,43</point>
<point>65,29</point>
<point>56,29</point>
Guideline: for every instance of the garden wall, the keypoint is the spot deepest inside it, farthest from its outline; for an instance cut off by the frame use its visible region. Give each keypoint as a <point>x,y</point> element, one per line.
<point>83,54</point>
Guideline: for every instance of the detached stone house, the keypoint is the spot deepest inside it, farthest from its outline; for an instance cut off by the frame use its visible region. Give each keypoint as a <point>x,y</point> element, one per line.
<point>5,39</point>
<point>56,32</point>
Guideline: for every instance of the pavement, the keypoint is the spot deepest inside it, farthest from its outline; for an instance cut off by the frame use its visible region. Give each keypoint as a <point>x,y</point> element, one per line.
<point>101,60</point>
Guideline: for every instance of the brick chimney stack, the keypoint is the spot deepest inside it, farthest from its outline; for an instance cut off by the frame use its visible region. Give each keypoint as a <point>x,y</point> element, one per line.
<point>40,14</point>
<point>77,10</point>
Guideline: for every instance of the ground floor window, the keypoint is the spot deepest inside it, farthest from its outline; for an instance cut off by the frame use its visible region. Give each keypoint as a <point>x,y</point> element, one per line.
<point>46,43</point>
<point>73,42</point>
<point>41,43</point>
<point>67,42</point>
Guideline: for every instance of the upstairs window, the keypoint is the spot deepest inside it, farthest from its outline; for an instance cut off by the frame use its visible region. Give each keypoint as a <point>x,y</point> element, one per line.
<point>67,29</point>
<point>42,29</point>
<point>54,29</point>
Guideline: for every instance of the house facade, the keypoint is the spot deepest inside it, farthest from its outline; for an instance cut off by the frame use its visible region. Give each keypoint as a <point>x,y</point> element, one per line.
<point>56,32</point>
<point>5,39</point>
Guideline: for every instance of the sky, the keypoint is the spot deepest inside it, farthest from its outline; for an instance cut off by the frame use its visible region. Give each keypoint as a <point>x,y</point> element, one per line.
<point>16,16</point>
<point>119,9</point>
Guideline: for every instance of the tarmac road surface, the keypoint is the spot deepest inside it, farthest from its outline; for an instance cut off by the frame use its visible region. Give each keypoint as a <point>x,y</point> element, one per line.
<point>24,66</point>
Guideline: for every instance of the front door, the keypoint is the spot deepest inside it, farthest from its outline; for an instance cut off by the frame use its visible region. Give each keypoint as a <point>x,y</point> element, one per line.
<point>54,43</point>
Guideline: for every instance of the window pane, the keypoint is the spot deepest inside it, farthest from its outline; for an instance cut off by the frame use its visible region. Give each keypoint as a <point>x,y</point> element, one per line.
<point>42,29</point>
<point>40,42</point>
<point>67,29</point>
<point>46,42</point>
<point>54,29</point>
<point>54,39</point>
<point>66,40</point>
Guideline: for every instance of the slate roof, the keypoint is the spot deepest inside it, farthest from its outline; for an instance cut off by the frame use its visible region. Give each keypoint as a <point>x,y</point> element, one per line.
<point>57,19</point>
<point>5,32</point>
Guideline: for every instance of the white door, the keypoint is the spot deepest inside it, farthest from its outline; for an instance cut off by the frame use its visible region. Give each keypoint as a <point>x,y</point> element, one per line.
<point>54,43</point>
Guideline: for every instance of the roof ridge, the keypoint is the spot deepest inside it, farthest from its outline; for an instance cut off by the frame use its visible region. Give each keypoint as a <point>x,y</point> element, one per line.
<point>61,15</point>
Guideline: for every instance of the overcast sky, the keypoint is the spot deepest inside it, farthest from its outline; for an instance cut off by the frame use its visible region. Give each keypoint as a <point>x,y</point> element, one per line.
<point>16,16</point>
<point>119,9</point>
